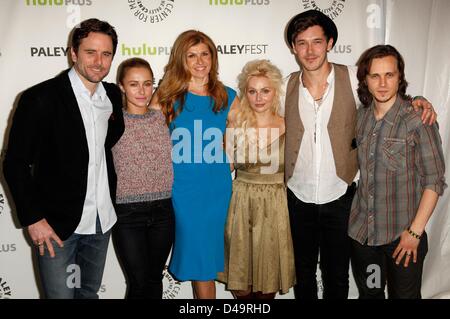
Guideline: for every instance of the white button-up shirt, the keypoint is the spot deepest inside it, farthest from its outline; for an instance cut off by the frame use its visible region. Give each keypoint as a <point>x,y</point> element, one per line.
<point>95,111</point>
<point>314,179</point>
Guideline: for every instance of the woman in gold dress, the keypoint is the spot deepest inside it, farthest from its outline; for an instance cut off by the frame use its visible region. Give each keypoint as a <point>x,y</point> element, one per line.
<point>259,257</point>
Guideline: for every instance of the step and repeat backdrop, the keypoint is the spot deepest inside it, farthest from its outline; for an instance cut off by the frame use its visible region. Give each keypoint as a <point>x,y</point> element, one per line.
<point>34,47</point>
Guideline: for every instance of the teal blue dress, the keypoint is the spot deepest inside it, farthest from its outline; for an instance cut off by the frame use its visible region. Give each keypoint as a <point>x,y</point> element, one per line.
<point>201,189</point>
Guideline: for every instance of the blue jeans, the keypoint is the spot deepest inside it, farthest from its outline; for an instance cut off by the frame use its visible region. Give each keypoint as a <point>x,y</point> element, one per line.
<point>143,237</point>
<point>77,269</point>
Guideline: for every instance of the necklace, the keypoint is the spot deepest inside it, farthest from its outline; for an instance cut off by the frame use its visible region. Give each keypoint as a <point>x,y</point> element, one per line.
<point>317,96</point>
<point>316,111</point>
<point>317,103</point>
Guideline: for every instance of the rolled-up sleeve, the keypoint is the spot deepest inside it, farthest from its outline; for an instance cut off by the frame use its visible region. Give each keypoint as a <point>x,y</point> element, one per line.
<point>430,158</point>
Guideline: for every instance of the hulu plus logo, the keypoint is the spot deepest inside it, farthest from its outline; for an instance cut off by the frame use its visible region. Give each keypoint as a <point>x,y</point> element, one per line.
<point>143,49</point>
<point>58,2</point>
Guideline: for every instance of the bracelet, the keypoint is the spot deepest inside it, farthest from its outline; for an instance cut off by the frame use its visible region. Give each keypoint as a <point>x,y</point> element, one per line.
<point>412,233</point>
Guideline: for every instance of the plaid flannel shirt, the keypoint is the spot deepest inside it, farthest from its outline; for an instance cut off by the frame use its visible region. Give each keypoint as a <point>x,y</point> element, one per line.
<point>399,157</point>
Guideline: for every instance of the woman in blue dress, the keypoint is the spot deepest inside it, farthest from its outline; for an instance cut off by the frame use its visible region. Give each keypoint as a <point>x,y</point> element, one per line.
<point>197,105</point>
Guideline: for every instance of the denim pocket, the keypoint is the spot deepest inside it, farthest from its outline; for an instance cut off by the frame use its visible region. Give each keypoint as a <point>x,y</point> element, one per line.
<point>394,153</point>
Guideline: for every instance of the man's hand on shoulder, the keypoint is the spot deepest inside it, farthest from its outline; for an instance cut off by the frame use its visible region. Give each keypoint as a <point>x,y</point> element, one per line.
<point>428,114</point>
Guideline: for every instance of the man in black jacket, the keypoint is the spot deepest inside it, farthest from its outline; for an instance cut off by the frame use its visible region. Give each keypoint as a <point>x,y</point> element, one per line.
<point>59,168</point>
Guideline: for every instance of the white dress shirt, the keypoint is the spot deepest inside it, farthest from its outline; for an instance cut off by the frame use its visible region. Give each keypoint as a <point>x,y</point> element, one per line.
<point>95,111</point>
<point>314,179</point>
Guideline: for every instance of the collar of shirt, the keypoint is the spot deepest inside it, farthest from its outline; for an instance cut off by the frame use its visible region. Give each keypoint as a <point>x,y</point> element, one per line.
<point>81,90</point>
<point>352,70</point>
<point>308,96</point>
<point>391,115</point>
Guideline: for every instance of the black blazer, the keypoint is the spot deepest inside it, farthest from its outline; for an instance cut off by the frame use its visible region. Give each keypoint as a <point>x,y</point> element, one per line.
<point>46,164</point>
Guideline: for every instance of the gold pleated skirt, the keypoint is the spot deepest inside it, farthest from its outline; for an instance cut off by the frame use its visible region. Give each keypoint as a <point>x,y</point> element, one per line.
<point>258,243</point>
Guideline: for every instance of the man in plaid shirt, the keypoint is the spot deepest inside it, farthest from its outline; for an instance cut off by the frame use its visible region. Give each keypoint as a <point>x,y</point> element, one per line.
<point>402,174</point>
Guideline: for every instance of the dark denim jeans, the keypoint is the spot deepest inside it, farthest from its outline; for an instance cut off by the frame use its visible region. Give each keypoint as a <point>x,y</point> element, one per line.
<point>77,269</point>
<point>143,237</point>
<point>402,283</point>
<point>321,228</point>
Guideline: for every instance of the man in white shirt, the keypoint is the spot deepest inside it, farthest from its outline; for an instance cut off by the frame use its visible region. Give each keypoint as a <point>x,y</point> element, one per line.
<point>59,167</point>
<point>320,156</point>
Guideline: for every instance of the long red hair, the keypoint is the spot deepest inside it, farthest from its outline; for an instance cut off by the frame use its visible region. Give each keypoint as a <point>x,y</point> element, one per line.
<point>175,82</point>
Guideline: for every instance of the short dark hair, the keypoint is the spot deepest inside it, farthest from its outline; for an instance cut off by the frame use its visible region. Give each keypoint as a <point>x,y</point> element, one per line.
<point>93,25</point>
<point>310,18</point>
<point>365,62</point>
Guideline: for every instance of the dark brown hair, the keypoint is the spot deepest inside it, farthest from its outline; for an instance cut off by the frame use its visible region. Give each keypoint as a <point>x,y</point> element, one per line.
<point>92,25</point>
<point>365,62</point>
<point>310,19</point>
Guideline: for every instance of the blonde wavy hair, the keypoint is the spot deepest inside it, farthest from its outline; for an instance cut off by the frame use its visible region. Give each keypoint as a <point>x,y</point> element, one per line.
<point>245,117</point>
<point>175,82</point>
